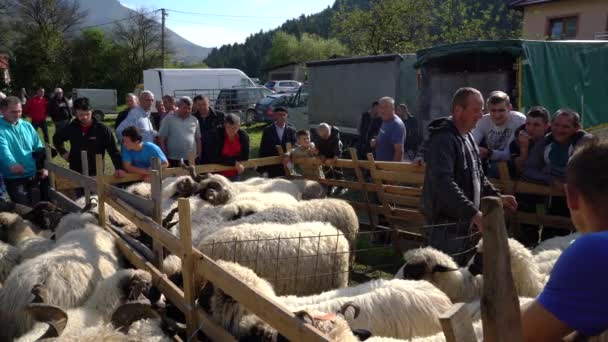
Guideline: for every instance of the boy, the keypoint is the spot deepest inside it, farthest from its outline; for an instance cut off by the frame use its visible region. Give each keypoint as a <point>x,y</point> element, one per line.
<point>304,149</point>
<point>137,154</point>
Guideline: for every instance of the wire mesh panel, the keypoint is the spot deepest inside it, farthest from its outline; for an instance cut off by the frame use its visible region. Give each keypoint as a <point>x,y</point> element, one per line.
<point>293,262</point>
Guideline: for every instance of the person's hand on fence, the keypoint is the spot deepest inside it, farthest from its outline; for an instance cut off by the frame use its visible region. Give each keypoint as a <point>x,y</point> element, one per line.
<point>372,143</point>
<point>477,222</point>
<point>523,139</point>
<point>120,173</point>
<point>509,203</point>
<point>239,168</point>
<point>65,156</point>
<point>17,169</point>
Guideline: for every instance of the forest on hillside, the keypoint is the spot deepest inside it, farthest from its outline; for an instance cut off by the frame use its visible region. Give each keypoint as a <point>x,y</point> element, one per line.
<point>370,27</point>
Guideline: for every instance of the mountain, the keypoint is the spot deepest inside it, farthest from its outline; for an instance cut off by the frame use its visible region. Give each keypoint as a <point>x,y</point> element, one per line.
<point>100,12</point>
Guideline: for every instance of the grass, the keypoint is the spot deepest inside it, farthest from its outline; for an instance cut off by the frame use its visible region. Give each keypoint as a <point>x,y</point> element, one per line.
<point>254,131</point>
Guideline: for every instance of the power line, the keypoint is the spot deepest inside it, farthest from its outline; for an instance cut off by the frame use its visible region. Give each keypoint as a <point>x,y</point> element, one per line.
<point>111,22</point>
<point>227,15</point>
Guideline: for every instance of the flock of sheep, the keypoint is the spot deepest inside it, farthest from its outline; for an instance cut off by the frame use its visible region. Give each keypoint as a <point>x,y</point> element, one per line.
<point>62,276</point>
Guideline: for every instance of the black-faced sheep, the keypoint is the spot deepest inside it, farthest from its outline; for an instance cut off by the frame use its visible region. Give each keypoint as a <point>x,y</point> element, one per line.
<point>70,271</point>
<point>302,258</point>
<point>398,308</point>
<point>22,234</point>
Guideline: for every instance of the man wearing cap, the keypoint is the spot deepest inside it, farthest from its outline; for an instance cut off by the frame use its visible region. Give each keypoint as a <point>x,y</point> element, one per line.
<point>279,133</point>
<point>59,110</point>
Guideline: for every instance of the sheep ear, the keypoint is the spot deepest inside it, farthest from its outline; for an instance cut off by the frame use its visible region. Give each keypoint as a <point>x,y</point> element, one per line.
<point>136,287</point>
<point>348,305</point>
<point>443,269</point>
<point>476,267</point>
<point>204,297</point>
<point>54,316</point>
<point>305,316</point>
<point>362,334</point>
<point>128,313</point>
<point>414,271</point>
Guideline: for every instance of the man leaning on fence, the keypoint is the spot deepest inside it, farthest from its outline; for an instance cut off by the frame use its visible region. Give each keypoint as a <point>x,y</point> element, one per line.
<point>575,298</point>
<point>454,181</point>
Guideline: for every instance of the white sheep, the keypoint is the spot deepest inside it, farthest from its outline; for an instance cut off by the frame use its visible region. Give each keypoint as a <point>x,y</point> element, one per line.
<point>398,308</point>
<point>337,212</point>
<point>442,271</point>
<point>302,258</point>
<point>21,234</point>
<point>70,271</point>
<point>108,296</point>
<point>558,242</point>
<point>546,260</point>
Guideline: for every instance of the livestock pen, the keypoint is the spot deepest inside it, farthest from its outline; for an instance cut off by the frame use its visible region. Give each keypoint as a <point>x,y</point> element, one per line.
<point>398,189</point>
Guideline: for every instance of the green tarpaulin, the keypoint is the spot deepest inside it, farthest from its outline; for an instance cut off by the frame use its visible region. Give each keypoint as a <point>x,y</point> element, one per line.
<point>555,74</point>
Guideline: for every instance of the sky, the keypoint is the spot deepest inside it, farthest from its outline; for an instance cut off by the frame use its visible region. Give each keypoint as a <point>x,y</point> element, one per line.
<point>212,23</point>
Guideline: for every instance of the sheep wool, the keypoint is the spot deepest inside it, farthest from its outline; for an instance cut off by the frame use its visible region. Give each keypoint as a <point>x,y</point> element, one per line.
<point>9,258</point>
<point>558,242</point>
<point>302,258</point>
<point>69,271</point>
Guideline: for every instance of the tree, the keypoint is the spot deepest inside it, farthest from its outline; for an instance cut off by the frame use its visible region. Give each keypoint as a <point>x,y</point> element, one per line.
<point>139,40</point>
<point>93,57</point>
<point>50,15</point>
<point>389,26</point>
<point>286,48</point>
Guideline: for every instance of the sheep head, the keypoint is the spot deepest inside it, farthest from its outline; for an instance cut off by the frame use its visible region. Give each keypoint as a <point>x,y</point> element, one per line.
<point>45,215</point>
<point>423,263</point>
<point>216,190</point>
<point>13,228</point>
<point>136,287</point>
<point>128,313</point>
<point>192,172</point>
<point>185,187</point>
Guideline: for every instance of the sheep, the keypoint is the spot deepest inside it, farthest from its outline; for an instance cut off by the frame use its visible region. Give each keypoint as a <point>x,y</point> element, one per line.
<point>9,258</point>
<point>546,260</point>
<point>314,252</point>
<point>442,271</point>
<point>383,303</point>
<point>558,242</point>
<point>107,297</point>
<point>79,260</point>
<point>21,234</point>
<point>337,212</point>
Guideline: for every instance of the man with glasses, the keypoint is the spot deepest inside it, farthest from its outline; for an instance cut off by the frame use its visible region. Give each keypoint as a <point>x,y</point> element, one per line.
<point>495,131</point>
<point>87,134</point>
<point>140,117</point>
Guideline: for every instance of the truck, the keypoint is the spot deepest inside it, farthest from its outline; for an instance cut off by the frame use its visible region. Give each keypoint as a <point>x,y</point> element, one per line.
<point>103,101</point>
<point>339,90</point>
<point>192,82</point>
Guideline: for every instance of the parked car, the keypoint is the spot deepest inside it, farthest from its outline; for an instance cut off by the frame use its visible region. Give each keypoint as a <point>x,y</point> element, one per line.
<point>241,100</point>
<point>265,107</point>
<point>283,86</point>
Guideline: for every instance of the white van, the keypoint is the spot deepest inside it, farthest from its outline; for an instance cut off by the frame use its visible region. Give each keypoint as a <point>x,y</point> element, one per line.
<point>192,82</point>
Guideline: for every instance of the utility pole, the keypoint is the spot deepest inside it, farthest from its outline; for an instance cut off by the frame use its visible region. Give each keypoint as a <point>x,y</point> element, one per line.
<point>162,35</point>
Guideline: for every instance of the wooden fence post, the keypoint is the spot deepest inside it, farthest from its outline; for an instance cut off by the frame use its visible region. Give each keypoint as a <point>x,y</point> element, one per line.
<point>49,158</point>
<point>156,192</point>
<point>499,303</point>
<point>101,197</point>
<point>192,158</point>
<point>457,325</point>
<point>84,159</point>
<point>282,154</point>
<point>361,179</point>
<point>185,234</point>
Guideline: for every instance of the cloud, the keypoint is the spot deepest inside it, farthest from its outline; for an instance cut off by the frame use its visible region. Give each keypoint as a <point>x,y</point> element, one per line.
<point>133,7</point>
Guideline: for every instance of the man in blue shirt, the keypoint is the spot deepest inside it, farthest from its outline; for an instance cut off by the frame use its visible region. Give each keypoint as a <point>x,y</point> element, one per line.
<point>21,154</point>
<point>137,154</point>
<point>574,298</point>
<point>389,143</point>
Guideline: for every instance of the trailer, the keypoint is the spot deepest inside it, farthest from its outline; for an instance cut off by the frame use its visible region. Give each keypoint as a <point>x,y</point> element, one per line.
<point>103,101</point>
<point>339,90</point>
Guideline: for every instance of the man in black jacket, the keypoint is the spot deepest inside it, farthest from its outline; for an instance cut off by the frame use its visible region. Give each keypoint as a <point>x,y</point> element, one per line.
<point>208,118</point>
<point>363,146</point>
<point>454,182</point>
<point>86,134</point>
<point>329,147</point>
<point>279,133</point>
<point>59,110</point>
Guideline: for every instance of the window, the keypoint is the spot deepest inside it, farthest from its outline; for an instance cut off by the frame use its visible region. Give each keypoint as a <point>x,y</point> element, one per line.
<point>563,28</point>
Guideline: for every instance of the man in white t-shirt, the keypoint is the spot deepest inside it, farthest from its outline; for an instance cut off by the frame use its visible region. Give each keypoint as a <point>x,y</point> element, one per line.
<point>495,131</point>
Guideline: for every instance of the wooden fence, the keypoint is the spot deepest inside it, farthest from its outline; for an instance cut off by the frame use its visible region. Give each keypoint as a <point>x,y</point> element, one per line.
<point>398,187</point>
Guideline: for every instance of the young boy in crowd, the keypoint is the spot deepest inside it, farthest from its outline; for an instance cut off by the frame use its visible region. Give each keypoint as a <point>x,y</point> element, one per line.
<point>304,149</point>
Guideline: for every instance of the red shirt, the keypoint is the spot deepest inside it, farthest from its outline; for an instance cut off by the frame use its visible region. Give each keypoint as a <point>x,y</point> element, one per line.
<point>231,149</point>
<point>35,107</point>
